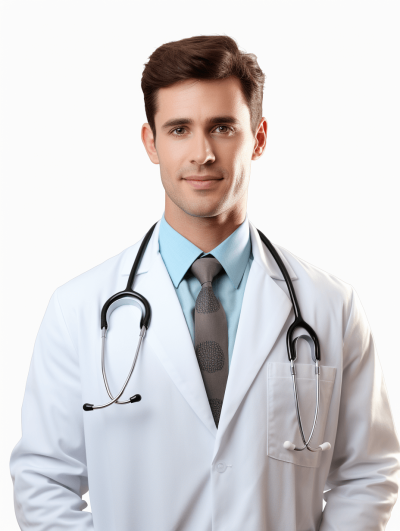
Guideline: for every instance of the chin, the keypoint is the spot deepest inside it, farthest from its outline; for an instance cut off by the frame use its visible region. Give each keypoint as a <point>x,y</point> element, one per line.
<point>198,207</point>
<point>206,209</point>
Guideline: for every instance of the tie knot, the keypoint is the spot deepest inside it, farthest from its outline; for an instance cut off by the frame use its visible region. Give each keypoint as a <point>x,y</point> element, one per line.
<point>205,269</point>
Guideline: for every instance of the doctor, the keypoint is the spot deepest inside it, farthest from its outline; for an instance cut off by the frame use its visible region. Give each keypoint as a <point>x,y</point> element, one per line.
<point>203,449</point>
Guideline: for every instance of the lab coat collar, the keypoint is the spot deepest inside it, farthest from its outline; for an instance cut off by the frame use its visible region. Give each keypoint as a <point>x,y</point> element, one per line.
<point>265,259</point>
<point>148,259</point>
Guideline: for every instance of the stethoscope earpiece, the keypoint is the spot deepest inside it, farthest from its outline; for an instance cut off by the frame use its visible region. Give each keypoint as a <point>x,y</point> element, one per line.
<point>135,398</point>
<point>322,447</point>
<point>290,446</point>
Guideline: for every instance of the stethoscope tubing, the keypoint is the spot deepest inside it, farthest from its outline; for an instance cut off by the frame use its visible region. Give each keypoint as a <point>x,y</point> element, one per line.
<point>103,368</point>
<point>118,298</point>
<point>291,342</point>
<point>115,400</point>
<point>297,405</point>
<point>291,345</point>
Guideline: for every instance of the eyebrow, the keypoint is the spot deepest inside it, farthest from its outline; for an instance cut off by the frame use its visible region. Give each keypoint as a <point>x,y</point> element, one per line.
<point>175,122</point>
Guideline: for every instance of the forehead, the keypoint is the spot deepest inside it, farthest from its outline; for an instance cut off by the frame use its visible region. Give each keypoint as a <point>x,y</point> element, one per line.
<point>202,99</point>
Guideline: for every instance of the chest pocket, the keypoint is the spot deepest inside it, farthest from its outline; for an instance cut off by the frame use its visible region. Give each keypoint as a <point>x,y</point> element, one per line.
<point>282,418</point>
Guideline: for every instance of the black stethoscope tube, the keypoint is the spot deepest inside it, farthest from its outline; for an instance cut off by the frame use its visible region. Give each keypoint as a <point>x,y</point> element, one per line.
<point>299,321</point>
<point>131,297</point>
<point>128,292</point>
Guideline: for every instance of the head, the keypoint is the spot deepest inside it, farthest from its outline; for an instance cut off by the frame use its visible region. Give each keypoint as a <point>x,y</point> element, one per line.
<point>203,101</point>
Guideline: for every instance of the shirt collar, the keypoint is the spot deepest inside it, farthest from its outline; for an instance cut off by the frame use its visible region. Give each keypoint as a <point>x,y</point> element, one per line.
<point>178,253</point>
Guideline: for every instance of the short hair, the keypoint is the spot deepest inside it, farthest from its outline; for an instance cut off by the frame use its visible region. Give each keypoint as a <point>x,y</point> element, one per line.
<point>205,57</point>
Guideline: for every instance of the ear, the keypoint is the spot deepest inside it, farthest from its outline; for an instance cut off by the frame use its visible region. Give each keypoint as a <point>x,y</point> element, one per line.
<point>260,140</point>
<point>149,144</point>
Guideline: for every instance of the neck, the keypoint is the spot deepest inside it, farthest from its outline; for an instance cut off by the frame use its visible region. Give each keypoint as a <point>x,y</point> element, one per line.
<point>206,233</point>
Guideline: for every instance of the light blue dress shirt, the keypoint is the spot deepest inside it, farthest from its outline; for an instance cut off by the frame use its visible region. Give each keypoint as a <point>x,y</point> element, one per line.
<point>235,256</point>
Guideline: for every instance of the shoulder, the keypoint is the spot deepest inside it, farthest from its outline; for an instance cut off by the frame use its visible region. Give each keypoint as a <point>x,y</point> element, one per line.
<point>315,284</point>
<point>305,276</point>
<point>82,296</point>
<point>99,282</point>
<point>307,272</point>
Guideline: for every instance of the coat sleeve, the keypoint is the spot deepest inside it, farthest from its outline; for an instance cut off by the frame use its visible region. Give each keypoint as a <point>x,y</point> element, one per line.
<point>364,475</point>
<point>48,465</point>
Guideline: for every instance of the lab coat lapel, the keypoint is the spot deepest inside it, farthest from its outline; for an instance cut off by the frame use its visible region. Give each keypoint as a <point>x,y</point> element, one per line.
<point>265,310</point>
<point>168,335</point>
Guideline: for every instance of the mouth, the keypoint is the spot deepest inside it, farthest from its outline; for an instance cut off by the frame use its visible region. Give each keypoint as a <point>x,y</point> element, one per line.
<point>204,182</point>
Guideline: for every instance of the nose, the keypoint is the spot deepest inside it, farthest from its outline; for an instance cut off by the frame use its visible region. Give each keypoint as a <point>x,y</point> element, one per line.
<point>202,152</point>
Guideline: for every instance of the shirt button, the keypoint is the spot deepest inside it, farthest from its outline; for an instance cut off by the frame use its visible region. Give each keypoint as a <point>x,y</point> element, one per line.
<point>221,467</point>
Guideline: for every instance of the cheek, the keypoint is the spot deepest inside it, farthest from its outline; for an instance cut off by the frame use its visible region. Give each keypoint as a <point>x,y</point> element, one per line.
<point>170,154</point>
<point>240,159</point>
<point>236,151</point>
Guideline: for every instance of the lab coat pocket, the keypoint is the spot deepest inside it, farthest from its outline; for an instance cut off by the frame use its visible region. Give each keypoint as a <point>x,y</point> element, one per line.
<point>282,419</point>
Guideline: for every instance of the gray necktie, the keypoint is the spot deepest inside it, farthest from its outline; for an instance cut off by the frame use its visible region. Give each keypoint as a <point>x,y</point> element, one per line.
<point>211,334</point>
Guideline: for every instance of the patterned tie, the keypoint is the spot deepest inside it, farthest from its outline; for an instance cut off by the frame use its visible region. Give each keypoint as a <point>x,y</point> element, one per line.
<point>211,334</point>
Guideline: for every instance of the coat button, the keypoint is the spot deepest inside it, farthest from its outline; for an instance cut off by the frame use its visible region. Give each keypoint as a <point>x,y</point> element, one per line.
<point>221,467</point>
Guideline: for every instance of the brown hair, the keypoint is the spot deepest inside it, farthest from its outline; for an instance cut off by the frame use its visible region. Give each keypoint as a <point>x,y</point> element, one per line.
<point>209,57</point>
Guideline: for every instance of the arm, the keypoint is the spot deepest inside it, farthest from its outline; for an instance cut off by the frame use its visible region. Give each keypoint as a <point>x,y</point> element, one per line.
<point>48,465</point>
<point>364,474</point>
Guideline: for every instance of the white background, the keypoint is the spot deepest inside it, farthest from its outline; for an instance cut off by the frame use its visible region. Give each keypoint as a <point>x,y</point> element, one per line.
<point>77,186</point>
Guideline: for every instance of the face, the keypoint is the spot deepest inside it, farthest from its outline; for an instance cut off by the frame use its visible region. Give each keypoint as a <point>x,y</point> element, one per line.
<point>204,145</point>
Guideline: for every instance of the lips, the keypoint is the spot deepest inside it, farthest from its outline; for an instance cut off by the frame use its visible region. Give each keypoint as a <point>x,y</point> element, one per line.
<point>202,178</point>
<point>204,182</point>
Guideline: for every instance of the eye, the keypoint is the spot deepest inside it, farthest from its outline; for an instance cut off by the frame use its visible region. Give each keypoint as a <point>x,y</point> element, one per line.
<point>223,129</point>
<point>178,131</point>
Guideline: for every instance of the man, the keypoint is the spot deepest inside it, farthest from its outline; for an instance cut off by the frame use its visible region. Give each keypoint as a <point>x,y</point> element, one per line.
<point>205,447</point>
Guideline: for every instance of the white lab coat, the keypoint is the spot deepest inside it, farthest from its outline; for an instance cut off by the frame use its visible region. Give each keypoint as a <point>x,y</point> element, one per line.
<point>161,464</point>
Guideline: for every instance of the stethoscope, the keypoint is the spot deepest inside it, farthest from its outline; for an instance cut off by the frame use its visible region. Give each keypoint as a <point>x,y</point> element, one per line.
<point>128,296</point>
